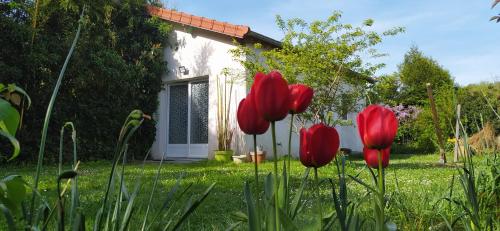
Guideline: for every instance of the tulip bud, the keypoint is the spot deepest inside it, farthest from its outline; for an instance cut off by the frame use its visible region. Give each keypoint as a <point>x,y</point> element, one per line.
<point>377,127</point>
<point>318,145</point>
<point>300,97</point>
<point>249,121</point>
<point>271,96</point>
<point>371,157</point>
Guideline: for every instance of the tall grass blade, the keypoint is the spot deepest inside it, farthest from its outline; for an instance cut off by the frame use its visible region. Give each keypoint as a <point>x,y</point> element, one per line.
<point>8,218</point>
<point>129,210</point>
<point>167,201</point>
<point>79,222</point>
<point>131,124</point>
<point>155,182</point>
<point>190,208</point>
<point>49,113</point>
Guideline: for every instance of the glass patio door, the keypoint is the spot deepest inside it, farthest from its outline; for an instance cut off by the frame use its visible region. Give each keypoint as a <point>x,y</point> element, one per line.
<point>188,120</point>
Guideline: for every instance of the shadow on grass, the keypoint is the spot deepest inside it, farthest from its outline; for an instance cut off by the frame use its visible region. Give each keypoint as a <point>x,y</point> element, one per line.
<point>393,156</point>
<point>412,165</point>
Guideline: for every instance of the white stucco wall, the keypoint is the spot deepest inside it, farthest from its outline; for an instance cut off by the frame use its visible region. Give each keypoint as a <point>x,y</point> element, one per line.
<point>205,54</point>
<point>349,137</point>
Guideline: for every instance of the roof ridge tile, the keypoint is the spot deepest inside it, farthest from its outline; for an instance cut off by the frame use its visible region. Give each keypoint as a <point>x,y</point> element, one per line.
<point>226,28</point>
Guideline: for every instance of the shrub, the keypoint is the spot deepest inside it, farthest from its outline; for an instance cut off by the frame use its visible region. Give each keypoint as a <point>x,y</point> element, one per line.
<point>116,67</point>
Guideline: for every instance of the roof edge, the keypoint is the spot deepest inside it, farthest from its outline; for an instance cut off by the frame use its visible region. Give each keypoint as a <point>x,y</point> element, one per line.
<point>237,31</point>
<point>264,38</point>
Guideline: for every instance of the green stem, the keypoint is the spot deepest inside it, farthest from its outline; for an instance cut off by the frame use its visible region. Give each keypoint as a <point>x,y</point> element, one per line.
<point>47,119</point>
<point>381,191</point>
<point>255,162</point>
<point>290,146</point>
<point>287,189</point>
<point>318,199</point>
<point>256,176</point>
<point>276,184</point>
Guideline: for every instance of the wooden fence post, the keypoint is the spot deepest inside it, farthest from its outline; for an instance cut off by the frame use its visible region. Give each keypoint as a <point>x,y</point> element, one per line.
<point>457,135</point>
<point>435,118</point>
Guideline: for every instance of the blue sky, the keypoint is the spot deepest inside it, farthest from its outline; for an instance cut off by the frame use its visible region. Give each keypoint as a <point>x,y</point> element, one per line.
<point>456,33</point>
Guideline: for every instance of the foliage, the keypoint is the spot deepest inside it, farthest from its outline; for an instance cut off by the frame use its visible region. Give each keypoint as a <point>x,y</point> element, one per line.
<point>10,118</point>
<point>415,71</point>
<point>475,100</point>
<point>386,90</point>
<point>497,17</point>
<point>480,188</point>
<point>116,67</point>
<point>325,55</point>
<point>407,87</point>
<point>224,96</point>
<point>118,203</point>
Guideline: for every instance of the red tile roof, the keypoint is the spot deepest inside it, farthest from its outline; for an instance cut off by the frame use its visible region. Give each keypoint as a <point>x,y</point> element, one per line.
<point>238,31</point>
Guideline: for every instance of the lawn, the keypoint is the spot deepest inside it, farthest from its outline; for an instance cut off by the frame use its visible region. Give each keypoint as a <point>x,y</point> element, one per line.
<point>415,183</point>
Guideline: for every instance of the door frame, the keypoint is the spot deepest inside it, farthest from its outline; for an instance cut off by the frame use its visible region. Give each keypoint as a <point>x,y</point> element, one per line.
<point>189,145</point>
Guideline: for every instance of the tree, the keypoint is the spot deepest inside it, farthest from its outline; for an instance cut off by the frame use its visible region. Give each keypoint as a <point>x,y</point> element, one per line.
<point>407,89</point>
<point>116,67</point>
<point>326,55</point>
<point>480,102</point>
<point>497,17</point>
<point>386,90</point>
<point>415,72</point>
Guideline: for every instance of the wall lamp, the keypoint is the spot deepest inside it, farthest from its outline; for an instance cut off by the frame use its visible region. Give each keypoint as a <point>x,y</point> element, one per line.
<point>183,70</point>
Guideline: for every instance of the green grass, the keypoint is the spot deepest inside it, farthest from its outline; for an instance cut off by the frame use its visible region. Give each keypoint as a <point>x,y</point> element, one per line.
<point>421,182</point>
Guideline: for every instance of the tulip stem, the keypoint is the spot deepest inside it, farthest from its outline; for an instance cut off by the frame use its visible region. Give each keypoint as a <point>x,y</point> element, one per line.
<point>255,161</point>
<point>318,199</point>
<point>256,176</point>
<point>276,184</point>
<point>289,156</point>
<point>381,191</point>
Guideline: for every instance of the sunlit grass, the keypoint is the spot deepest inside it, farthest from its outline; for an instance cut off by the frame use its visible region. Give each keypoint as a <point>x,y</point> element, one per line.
<point>421,182</point>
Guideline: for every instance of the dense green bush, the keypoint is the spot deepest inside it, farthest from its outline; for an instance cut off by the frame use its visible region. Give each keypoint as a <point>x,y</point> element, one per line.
<point>116,67</point>
<point>475,109</point>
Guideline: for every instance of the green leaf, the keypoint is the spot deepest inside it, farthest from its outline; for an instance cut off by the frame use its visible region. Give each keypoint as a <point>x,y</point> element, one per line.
<point>8,217</point>
<point>364,184</point>
<point>14,142</point>
<point>129,210</point>
<point>79,223</point>
<point>269,187</point>
<point>12,192</point>
<point>286,221</point>
<point>282,187</point>
<point>190,207</point>
<point>253,223</point>
<point>9,118</point>
<point>298,196</point>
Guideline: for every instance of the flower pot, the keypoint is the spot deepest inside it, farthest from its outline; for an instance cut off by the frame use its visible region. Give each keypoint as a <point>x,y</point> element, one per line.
<point>261,156</point>
<point>223,156</point>
<point>240,159</point>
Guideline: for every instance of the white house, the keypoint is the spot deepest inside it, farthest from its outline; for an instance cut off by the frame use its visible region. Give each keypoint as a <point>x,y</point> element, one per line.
<point>187,113</point>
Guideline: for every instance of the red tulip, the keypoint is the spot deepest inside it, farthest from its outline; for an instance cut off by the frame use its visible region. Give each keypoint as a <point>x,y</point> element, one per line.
<point>301,96</point>
<point>271,96</point>
<point>371,157</point>
<point>248,119</point>
<point>377,127</point>
<point>318,145</point>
